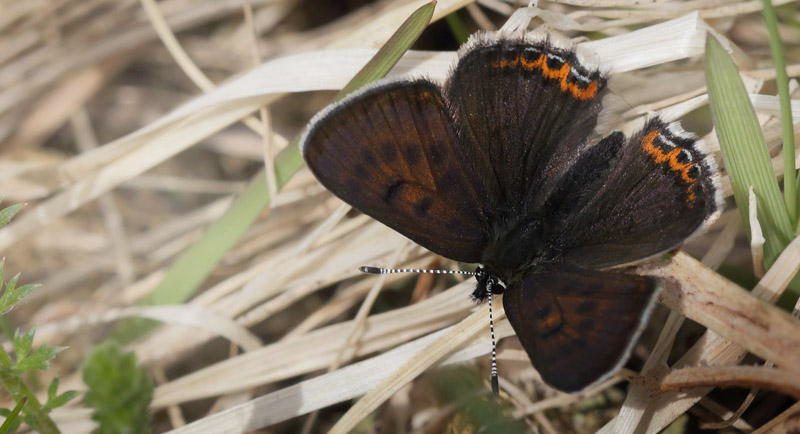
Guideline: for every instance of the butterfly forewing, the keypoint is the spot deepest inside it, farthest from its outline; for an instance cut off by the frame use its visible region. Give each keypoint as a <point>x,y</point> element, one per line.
<point>523,109</point>
<point>578,326</point>
<point>391,151</point>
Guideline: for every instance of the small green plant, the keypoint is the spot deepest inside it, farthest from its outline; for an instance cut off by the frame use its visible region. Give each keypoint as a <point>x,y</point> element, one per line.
<point>119,390</point>
<point>25,359</point>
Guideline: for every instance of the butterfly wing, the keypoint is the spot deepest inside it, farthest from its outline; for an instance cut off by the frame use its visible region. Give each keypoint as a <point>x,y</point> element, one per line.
<point>391,151</point>
<point>625,202</point>
<point>523,109</point>
<point>578,326</point>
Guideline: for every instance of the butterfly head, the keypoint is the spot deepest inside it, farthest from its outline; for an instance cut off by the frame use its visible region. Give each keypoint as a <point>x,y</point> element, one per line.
<point>488,283</point>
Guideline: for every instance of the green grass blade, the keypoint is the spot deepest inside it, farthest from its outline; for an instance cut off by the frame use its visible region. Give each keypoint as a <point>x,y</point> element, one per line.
<point>457,27</point>
<point>192,267</point>
<point>790,186</point>
<point>744,149</point>
<point>392,50</point>
<point>11,419</point>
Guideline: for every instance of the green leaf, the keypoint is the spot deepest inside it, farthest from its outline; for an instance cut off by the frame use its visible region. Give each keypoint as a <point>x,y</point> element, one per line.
<point>39,358</point>
<point>53,388</point>
<point>119,391</point>
<point>12,283</point>
<point>192,267</point>
<point>60,400</point>
<point>12,297</point>
<point>790,187</point>
<point>54,400</point>
<point>8,213</point>
<point>5,361</point>
<point>744,150</point>
<point>8,369</point>
<point>22,344</point>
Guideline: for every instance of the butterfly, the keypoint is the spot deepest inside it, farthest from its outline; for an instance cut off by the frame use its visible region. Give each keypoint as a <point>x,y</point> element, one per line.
<point>500,166</point>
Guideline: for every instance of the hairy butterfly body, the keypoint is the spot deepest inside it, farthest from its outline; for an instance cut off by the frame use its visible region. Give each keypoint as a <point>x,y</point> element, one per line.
<point>500,167</point>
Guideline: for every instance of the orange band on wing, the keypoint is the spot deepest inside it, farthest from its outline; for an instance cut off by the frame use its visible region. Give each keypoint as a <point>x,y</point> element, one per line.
<point>648,144</point>
<point>560,74</point>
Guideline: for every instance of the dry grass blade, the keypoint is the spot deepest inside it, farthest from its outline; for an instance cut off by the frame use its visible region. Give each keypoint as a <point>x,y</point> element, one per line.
<point>779,380</point>
<point>337,386</point>
<point>728,310</point>
<point>316,350</point>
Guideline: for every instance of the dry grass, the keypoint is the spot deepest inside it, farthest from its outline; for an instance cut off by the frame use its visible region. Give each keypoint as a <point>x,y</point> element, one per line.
<point>124,159</point>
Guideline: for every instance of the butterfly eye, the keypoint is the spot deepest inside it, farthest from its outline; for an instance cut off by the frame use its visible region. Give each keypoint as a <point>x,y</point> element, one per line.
<point>497,286</point>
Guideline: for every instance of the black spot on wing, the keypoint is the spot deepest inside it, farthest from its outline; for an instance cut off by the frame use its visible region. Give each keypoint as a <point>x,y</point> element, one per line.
<point>553,62</point>
<point>388,152</point>
<point>586,307</point>
<point>361,172</point>
<point>413,154</point>
<point>586,325</point>
<point>392,191</point>
<point>422,206</point>
<point>564,351</point>
<point>368,157</point>
<point>544,310</point>
<point>437,154</point>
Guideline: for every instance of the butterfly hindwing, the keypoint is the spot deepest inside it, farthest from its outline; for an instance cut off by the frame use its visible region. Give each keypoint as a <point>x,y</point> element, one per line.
<point>523,108</point>
<point>658,190</point>
<point>578,326</point>
<point>390,150</point>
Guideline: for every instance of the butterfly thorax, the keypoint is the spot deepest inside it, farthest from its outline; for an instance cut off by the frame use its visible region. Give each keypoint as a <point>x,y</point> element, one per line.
<point>518,245</point>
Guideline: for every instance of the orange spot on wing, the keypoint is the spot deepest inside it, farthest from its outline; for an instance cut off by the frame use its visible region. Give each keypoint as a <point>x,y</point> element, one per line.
<point>685,175</point>
<point>555,73</point>
<point>647,144</point>
<point>530,66</point>
<point>551,320</point>
<point>505,63</point>
<point>584,94</point>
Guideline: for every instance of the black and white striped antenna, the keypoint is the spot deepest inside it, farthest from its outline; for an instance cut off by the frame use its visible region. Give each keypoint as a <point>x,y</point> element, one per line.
<point>379,270</point>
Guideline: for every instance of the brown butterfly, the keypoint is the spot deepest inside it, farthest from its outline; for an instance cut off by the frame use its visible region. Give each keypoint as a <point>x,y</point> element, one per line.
<point>498,167</point>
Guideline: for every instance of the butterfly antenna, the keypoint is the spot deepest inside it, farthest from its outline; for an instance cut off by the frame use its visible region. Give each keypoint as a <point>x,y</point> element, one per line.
<point>495,383</point>
<point>378,270</point>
